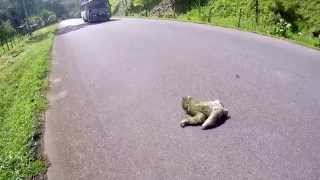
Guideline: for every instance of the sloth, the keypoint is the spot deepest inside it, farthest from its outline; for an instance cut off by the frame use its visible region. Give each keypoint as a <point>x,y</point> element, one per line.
<point>204,113</point>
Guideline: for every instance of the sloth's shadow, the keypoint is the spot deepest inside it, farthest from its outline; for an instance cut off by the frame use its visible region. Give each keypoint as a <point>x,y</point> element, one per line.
<point>219,122</point>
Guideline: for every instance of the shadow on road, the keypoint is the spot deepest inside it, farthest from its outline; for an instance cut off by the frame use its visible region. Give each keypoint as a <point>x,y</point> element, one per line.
<point>71,28</point>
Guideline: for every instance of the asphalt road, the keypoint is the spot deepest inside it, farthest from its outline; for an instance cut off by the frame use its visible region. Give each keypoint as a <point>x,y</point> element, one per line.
<point>115,97</point>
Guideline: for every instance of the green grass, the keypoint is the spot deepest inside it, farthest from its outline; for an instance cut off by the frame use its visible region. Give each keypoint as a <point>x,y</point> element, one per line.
<point>8,47</point>
<point>226,13</point>
<point>23,80</point>
<point>304,39</point>
<point>247,25</point>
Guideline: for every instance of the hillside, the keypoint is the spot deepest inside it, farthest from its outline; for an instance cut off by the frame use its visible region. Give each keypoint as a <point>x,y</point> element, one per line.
<point>72,7</point>
<point>118,7</point>
<point>294,19</point>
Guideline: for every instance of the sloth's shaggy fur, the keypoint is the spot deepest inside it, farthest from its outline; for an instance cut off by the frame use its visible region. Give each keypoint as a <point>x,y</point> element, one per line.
<point>205,113</point>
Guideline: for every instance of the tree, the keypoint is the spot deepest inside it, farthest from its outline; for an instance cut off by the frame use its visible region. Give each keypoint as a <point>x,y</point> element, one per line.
<point>143,5</point>
<point>185,5</point>
<point>6,32</point>
<point>14,10</point>
<point>57,7</point>
<point>257,11</point>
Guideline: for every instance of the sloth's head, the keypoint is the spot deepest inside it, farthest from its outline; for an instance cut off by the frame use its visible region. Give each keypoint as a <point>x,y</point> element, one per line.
<point>186,101</point>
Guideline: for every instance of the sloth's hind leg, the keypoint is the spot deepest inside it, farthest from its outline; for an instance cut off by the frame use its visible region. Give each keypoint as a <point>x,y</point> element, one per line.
<point>198,119</point>
<point>212,119</point>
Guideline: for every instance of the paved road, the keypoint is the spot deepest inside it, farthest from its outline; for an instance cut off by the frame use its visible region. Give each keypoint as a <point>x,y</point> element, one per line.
<point>115,99</point>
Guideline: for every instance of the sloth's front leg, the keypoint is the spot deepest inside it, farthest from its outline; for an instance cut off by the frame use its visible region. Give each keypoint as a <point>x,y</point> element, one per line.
<point>197,119</point>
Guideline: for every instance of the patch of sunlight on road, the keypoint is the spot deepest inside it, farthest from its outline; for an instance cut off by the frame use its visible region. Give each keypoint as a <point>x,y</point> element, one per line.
<point>71,22</point>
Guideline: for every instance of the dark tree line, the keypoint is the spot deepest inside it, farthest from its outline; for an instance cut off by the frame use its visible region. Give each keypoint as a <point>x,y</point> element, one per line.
<point>14,11</point>
<point>24,16</point>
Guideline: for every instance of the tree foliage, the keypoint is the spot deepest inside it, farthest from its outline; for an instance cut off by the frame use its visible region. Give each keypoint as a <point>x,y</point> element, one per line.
<point>144,4</point>
<point>6,30</point>
<point>287,13</point>
<point>14,11</point>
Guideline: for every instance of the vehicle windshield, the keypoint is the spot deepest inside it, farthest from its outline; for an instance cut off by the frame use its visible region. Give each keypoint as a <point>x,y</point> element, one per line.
<point>99,4</point>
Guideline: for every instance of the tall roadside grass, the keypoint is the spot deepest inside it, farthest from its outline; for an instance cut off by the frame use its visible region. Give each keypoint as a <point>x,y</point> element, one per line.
<point>284,19</point>
<point>295,20</point>
<point>23,81</point>
<point>303,38</point>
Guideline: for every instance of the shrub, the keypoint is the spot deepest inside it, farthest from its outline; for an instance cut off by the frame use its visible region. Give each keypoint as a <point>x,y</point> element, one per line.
<point>52,19</point>
<point>282,28</point>
<point>6,31</point>
<point>48,17</point>
<point>289,14</point>
<point>36,22</point>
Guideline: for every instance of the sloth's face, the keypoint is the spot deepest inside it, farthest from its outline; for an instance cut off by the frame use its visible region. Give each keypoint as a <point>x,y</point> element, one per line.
<point>186,103</point>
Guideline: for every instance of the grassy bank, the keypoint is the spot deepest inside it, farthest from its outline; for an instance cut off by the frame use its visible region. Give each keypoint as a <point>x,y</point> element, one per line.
<point>295,20</point>
<point>23,73</point>
<point>246,22</point>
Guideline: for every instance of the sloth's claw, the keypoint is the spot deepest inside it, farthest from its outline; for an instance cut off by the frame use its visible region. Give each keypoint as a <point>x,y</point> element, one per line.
<point>182,124</point>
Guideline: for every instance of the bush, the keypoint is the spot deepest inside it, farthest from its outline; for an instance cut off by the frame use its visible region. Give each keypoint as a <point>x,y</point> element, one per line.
<point>52,19</point>
<point>289,14</point>
<point>144,4</point>
<point>182,6</point>
<point>282,28</point>
<point>36,22</point>
<point>6,31</point>
<point>48,17</point>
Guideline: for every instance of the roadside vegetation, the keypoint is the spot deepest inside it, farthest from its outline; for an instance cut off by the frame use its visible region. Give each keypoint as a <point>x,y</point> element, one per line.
<point>23,79</point>
<point>26,35</point>
<point>21,17</point>
<point>292,19</point>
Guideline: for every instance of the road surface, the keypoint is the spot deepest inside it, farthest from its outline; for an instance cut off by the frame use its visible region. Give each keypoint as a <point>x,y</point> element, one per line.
<point>115,106</point>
